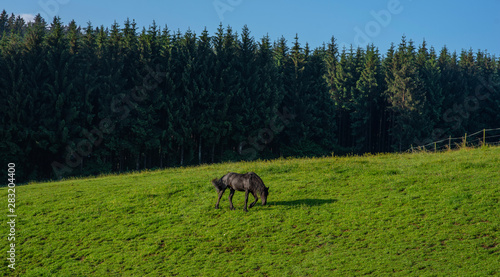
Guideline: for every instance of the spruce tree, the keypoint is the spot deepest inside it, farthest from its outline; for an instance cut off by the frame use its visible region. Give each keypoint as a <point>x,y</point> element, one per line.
<point>4,17</point>
<point>406,97</point>
<point>84,101</point>
<point>32,113</point>
<point>430,74</point>
<point>226,86</point>
<point>346,76</point>
<point>270,94</point>
<point>320,138</point>
<point>331,61</point>
<point>366,103</point>
<point>450,85</point>
<point>293,77</point>
<point>112,102</point>
<point>16,98</point>
<point>250,100</point>
<point>481,102</point>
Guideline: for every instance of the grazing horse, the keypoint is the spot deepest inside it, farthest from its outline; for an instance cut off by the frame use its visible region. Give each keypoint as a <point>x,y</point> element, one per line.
<point>248,182</point>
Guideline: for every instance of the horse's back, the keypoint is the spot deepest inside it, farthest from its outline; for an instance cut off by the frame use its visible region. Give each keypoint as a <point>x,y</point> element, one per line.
<point>234,180</point>
<point>241,182</point>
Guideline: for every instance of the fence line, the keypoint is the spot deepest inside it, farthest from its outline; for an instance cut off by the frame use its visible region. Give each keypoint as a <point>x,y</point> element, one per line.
<point>476,139</point>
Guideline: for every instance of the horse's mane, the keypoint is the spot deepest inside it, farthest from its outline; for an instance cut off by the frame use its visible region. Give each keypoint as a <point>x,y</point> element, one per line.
<point>254,178</point>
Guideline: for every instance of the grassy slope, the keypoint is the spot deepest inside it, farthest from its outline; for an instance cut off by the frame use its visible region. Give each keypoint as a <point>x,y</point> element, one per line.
<point>412,214</point>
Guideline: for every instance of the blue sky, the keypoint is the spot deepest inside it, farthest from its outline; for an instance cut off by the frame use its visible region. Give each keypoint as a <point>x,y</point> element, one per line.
<point>456,24</point>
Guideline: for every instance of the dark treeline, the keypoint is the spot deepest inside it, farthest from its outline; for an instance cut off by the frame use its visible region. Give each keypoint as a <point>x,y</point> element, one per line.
<point>80,101</point>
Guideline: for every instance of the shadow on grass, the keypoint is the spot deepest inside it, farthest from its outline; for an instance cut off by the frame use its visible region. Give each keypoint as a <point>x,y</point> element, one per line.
<point>306,202</point>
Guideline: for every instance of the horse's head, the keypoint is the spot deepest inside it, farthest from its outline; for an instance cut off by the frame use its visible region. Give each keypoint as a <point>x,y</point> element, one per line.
<point>218,184</point>
<point>263,195</point>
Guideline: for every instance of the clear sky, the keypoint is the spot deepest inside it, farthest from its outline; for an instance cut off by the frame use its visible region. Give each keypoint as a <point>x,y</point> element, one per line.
<point>457,24</point>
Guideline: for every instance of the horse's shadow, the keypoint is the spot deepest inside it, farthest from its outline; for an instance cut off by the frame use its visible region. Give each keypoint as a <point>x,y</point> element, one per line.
<point>305,202</point>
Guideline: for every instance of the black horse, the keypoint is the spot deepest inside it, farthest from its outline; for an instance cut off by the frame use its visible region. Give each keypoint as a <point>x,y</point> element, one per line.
<point>248,182</point>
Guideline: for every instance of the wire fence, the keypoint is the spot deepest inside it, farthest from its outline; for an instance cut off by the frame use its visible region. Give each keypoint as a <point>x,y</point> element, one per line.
<point>477,139</point>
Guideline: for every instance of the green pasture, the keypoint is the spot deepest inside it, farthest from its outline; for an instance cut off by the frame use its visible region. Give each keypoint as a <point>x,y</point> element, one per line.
<point>420,214</point>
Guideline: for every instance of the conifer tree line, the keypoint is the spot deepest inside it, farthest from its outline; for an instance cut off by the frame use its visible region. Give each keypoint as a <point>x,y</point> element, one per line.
<point>88,100</point>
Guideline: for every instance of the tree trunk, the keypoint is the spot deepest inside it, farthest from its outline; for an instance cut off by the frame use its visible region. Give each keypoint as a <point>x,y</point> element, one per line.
<point>380,135</point>
<point>370,131</point>
<point>199,152</point>
<point>182,155</point>
<point>161,158</point>
<point>120,164</point>
<point>213,152</point>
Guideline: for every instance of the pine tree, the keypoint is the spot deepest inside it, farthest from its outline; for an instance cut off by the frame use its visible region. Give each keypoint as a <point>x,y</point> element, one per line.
<point>166,103</point>
<point>84,101</point>
<point>430,74</point>
<point>270,94</point>
<point>10,25</point>
<point>226,86</point>
<point>331,61</point>
<point>140,93</point>
<point>450,85</point>
<point>310,127</point>
<point>319,104</point>
<point>19,26</point>
<point>346,76</point>
<point>87,83</point>
<point>204,102</point>
<point>65,126</point>
<point>293,70</point>
<point>112,102</point>
<point>4,17</point>
<point>183,52</point>
<point>468,82</point>
<point>481,102</point>
<point>74,37</point>
<point>366,103</point>
<point>406,97</point>
<point>30,116</point>
<point>146,95</point>
<point>250,100</point>
<point>15,100</point>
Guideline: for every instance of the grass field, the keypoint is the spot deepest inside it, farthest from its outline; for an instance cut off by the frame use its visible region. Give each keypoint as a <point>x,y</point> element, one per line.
<point>394,214</point>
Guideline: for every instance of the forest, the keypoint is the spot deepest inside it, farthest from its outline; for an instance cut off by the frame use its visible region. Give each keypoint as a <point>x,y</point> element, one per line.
<point>78,101</point>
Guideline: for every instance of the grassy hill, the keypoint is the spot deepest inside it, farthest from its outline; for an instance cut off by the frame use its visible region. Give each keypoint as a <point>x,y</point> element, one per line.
<point>392,214</point>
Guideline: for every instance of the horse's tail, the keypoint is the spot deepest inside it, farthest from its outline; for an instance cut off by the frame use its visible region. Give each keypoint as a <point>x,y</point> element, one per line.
<point>218,184</point>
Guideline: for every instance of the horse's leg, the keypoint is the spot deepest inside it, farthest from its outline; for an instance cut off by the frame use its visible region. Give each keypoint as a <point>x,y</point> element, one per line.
<point>231,193</point>
<point>246,201</point>
<point>256,198</point>
<point>221,192</point>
